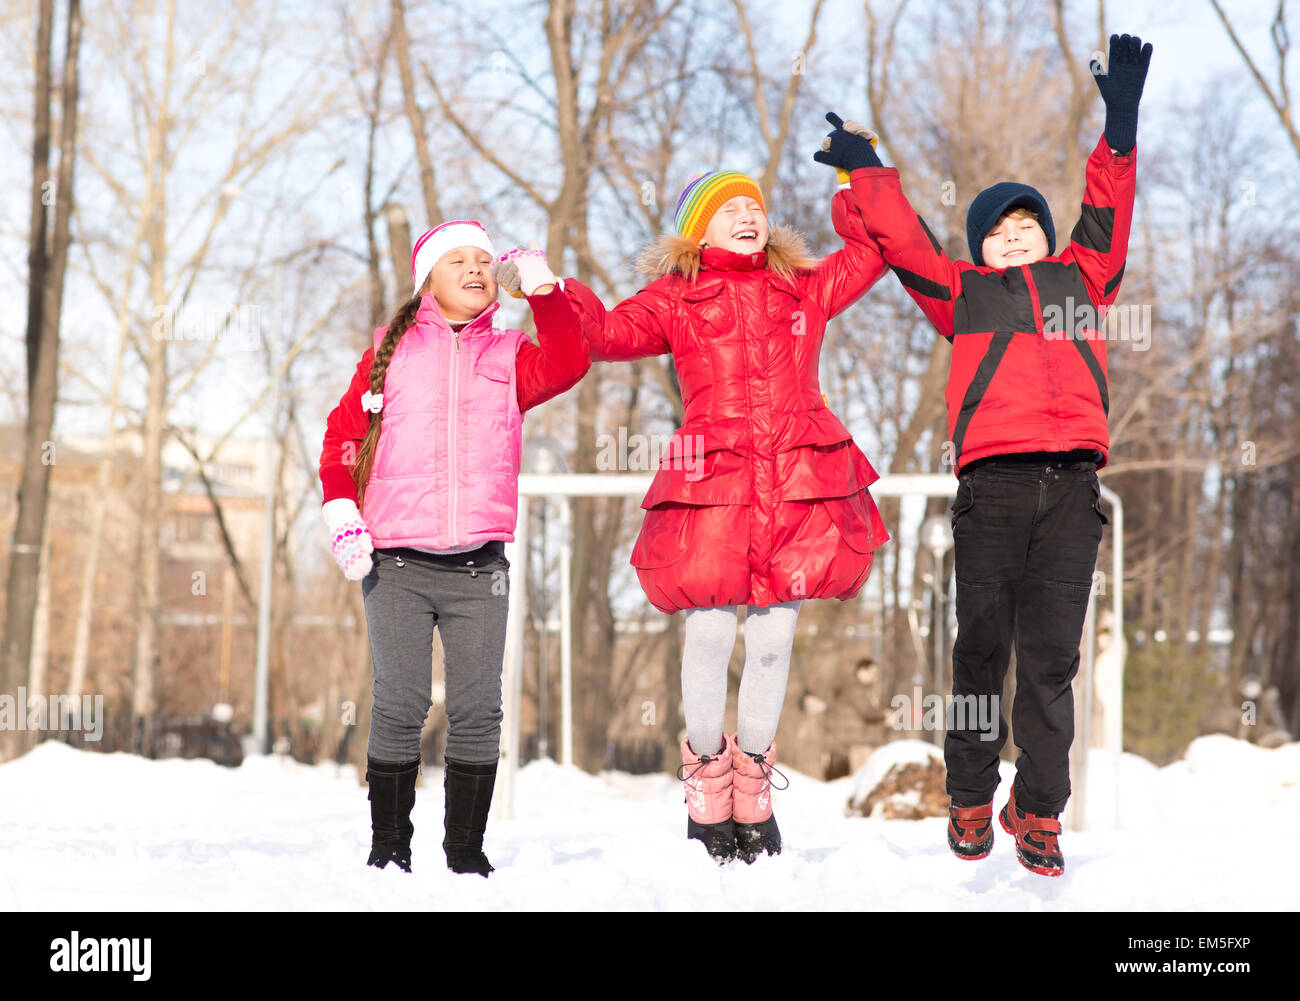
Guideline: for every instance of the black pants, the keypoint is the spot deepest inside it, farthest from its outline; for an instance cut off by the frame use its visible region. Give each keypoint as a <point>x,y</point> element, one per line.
<point>1026,546</point>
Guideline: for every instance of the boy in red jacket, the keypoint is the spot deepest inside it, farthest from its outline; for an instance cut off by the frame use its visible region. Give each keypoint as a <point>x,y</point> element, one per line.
<point>1027,406</point>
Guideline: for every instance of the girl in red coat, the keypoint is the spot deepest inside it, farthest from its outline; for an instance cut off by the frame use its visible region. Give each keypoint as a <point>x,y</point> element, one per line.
<point>761,497</point>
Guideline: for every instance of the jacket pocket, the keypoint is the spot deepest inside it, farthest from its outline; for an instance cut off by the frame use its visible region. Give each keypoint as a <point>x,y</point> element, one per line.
<point>964,501</point>
<point>662,540</point>
<point>816,472</point>
<point>787,311</point>
<point>857,521</point>
<point>816,458</point>
<point>486,419</point>
<point>1096,502</point>
<point>702,291</point>
<point>697,468</point>
<point>710,316</point>
<point>492,371</point>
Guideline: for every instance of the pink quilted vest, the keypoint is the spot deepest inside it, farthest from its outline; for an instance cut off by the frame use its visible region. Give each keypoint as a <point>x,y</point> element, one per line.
<point>446,470</point>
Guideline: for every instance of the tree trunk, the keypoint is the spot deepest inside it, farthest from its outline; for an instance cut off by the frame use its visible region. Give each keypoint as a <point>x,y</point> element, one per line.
<point>372,251</point>
<point>47,266</point>
<point>99,503</point>
<point>399,248</point>
<point>151,504</point>
<point>419,134</point>
<point>24,557</point>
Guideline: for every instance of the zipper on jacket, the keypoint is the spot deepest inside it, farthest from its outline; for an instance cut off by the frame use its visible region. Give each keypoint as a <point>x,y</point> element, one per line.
<point>451,441</point>
<point>1054,393</point>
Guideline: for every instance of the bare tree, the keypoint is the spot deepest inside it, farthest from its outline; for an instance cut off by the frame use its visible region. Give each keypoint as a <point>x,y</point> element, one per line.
<point>775,135</point>
<point>48,255</point>
<point>591,58</point>
<point>179,227</point>
<point>415,116</point>
<point>1279,98</point>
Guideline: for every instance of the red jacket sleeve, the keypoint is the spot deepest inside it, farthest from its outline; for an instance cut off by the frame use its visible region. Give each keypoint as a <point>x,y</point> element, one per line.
<point>560,360</point>
<point>844,276</point>
<point>909,247</point>
<point>344,431</point>
<point>1099,242</point>
<point>635,328</point>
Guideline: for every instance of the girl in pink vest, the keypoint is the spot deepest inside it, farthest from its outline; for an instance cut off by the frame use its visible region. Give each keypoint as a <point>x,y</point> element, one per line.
<point>420,470</point>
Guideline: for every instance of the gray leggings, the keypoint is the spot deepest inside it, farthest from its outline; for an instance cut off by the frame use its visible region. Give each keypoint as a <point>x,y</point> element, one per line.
<point>466,596</point>
<point>706,651</point>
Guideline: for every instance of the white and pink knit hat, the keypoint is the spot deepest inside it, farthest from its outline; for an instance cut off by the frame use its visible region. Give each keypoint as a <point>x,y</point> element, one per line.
<point>437,241</point>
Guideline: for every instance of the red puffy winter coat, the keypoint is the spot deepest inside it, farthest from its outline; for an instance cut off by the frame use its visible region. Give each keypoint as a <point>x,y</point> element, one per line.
<point>761,496</point>
<point>1028,367</point>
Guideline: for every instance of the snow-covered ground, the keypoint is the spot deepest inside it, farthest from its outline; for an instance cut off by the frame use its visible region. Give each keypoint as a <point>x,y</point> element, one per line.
<point>85,832</point>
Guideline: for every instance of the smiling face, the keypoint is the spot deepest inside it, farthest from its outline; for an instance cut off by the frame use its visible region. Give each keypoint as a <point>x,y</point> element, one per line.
<point>739,225</point>
<point>462,284</point>
<point>1015,239</point>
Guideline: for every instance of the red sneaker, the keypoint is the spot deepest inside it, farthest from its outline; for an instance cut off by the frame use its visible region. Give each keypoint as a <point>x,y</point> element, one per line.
<point>1036,844</point>
<point>970,830</point>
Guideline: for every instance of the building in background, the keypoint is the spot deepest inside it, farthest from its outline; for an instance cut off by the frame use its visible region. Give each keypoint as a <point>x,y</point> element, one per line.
<point>207,631</point>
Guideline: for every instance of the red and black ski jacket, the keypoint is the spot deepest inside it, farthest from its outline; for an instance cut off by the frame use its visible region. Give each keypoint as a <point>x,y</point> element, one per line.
<point>1028,370</point>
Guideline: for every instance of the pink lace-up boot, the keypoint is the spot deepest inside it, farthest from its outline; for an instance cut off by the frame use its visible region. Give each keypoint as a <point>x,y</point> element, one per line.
<point>756,829</point>
<point>707,778</point>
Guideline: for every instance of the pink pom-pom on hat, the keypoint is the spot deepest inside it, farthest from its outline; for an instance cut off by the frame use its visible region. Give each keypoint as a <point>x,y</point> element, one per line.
<point>437,241</point>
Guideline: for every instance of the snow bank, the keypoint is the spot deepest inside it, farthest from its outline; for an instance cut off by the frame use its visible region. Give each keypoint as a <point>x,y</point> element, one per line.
<point>885,757</point>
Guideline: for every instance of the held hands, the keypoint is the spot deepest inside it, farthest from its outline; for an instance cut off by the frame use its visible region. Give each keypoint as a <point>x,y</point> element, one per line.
<point>523,272</point>
<point>1121,88</point>
<point>849,147</point>
<point>349,538</point>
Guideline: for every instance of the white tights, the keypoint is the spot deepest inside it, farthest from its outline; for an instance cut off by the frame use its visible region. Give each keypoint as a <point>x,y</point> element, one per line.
<point>710,636</point>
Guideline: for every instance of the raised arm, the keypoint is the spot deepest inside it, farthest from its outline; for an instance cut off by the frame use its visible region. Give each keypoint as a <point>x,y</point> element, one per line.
<point>560,358</point>
<point>632,330</point>
<point>635,328</point>
<point>908,246</point>
<point>844,276</point>
<point>1099,243</point>
<point>887,219</point>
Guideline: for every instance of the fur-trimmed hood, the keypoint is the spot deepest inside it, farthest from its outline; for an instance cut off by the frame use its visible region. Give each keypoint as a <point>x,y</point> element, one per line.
<point>787,254</point>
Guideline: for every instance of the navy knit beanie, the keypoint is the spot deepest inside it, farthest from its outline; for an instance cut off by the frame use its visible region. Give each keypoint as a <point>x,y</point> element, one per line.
<point>989,205</point>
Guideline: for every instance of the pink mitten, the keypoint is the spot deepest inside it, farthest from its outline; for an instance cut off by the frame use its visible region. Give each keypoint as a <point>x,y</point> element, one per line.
<point>522,272</point>
<point>349,538</point>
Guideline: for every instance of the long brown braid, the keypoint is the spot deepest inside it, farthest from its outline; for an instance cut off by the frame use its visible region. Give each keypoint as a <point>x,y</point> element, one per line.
<point>400,323</point>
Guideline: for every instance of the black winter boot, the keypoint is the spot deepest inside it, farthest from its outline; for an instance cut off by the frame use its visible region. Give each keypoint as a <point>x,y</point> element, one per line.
<point>719,838</point>
<point>754,839</point>
<point>469,797</point>
<point>392,795</point>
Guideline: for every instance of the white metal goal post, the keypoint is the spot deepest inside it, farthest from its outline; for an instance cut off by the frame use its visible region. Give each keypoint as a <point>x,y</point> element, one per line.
<point>568,485</point>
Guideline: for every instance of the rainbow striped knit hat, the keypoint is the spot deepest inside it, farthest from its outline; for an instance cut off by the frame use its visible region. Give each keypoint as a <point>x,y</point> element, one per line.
<point>706,194</point>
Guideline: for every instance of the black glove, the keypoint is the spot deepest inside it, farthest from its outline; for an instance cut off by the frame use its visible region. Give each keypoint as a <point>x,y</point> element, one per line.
<point>1121,88</point>
<point>846,150</point>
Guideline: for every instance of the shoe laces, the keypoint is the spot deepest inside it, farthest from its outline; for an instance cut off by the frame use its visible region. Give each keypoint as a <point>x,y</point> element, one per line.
<point>705,759</point>
<point>767,770</point>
